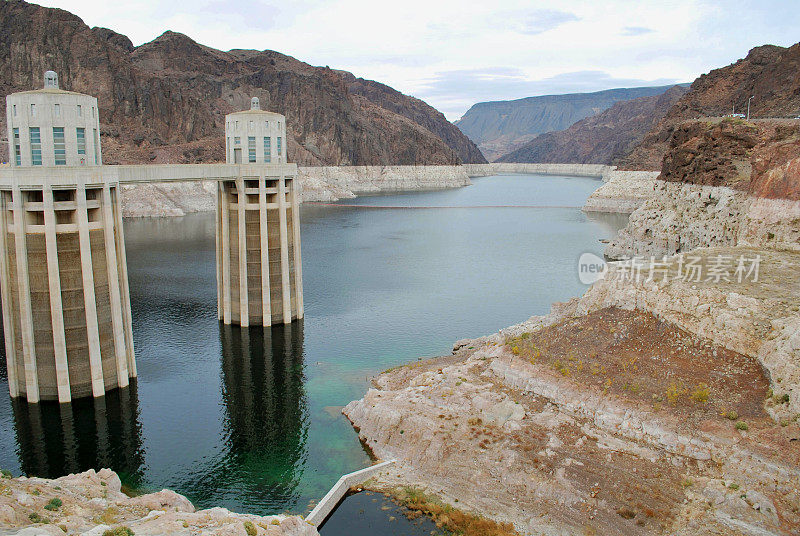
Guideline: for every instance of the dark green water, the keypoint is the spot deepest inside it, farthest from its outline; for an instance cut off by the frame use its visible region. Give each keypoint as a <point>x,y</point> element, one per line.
<point>250,419</point>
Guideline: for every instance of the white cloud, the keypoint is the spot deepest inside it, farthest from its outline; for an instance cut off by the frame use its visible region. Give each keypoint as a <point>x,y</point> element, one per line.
<point>510,46</point>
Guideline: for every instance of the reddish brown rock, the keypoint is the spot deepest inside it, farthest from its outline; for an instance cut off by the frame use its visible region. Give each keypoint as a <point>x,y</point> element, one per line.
<point>769,73</point>
<point>165,101</point>
<point>761,158</point>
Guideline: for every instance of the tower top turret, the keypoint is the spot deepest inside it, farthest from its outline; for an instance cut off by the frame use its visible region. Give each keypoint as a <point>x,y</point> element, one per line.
<point>50,80</point>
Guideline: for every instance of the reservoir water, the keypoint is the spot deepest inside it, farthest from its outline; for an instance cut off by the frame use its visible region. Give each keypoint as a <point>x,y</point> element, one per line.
<point>250,419</point>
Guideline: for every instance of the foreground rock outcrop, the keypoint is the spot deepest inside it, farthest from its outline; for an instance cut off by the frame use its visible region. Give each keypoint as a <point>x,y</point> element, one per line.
<point>92,503</point>
<point>644,407</point>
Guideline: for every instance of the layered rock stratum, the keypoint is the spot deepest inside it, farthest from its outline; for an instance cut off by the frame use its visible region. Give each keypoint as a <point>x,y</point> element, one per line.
<point>92,503</point>
<point>165,101</point>
<point>722,183</point>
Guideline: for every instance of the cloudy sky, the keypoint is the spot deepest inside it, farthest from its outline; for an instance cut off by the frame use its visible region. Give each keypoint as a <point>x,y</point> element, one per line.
<point>453,54</point>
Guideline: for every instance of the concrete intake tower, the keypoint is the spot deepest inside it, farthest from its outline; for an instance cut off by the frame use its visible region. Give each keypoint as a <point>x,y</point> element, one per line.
<point>63,271</point>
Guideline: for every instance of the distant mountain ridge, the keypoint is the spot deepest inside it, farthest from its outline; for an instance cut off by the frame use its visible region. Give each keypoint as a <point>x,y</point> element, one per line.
<point>166,100</point>
<point>604,138</point>
<point>501,126</point>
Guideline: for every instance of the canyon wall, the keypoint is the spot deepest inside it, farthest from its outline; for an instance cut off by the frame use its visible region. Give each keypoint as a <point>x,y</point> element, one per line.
<point>165,101</point>
<point>500,127</point>
<point>767,72</point>
<point>722,183</point>
<point>604,138</point>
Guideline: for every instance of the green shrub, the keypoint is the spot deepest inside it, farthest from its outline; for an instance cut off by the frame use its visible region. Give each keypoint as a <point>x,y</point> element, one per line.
<point>741,425</point>
<point>6,473</point>
<point>36,518</point>
<point>732,415</point>
<point>53,505</point>
<point>250,529</point>
<point>119,531</point>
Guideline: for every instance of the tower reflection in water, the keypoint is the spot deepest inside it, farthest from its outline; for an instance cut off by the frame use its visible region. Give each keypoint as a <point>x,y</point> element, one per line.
<point>57,439</point>
<point>266,421</point>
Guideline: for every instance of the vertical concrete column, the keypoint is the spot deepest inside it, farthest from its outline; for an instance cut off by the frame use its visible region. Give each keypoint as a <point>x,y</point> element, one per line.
<point>266,304</point>
<point>244,304</point>
<point>298,261</point>
<point>218,246</point>
<point>6,290</point>
<point>56,307</point>
<point>89,299</point>
<point>286,298</point>
<point>125,292</point>
<point>114,292</point>
<point>224,201</point>
<point>24,294</point>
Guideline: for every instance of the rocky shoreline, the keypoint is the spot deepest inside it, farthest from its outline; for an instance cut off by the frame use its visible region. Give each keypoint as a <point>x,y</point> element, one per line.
<point>640,408</point>
<point>679,217</point>
<point>93,504</point>
<point>650,405</point>
<point>622,192</point>
<point>330,183</point>
<point>323,183</point>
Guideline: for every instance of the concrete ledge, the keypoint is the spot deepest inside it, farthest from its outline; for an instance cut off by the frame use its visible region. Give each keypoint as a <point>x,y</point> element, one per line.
<point>98,175</point>
<point>321,512</point>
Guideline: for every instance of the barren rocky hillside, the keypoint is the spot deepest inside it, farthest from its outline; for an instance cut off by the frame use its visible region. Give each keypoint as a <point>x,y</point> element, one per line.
<point>600,139</point>
<point>769,73</point>
<point>165,101</point>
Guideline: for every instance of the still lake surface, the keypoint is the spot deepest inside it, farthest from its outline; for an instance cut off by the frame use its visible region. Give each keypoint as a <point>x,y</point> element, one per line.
<point>250,419</point>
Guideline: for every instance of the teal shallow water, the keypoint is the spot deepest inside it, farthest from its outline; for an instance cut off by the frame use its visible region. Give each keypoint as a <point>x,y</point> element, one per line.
<point>250,419</point>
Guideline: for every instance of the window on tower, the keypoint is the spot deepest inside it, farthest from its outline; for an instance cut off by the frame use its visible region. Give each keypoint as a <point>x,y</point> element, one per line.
<point>59,146</point>
<point>251,149</point>
<point>81,135</point>
<point>36,146</point>
<point>17,148</point>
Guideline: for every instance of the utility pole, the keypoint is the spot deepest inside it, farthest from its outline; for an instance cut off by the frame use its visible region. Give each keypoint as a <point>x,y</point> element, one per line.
<point>748,106</point>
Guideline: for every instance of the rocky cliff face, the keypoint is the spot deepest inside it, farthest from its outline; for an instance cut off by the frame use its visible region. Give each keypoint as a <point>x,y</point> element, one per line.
<point>604,138</point>
<point>769,73</point>
<point>165,101</point>
<point>761,158</point>
<point>501,127</point>
<point>722,183</point>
